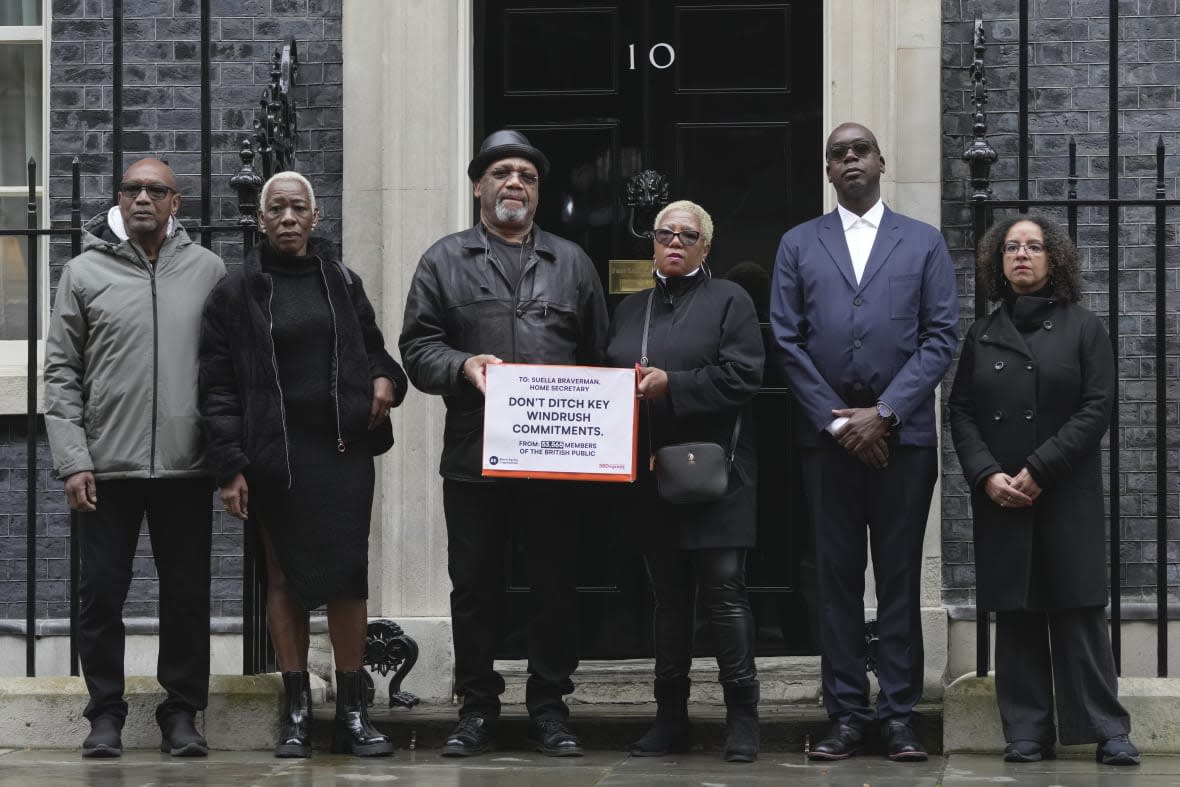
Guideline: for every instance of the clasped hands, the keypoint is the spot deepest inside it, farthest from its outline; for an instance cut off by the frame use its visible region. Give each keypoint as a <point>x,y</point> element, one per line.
<point>1019,491</point>
<point>864,435</point>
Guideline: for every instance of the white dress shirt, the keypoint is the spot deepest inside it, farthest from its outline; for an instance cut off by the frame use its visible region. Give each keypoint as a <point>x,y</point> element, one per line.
<point>860,232</point>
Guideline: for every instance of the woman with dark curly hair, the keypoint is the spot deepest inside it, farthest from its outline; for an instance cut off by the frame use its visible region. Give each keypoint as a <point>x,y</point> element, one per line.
<point>1031,400</point>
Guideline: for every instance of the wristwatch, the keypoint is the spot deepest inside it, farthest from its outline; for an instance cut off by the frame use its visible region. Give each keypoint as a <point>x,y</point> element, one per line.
<point>885,412</point>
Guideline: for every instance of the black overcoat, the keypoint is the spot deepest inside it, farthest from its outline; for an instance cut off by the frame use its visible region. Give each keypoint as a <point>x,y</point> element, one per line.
<point>704,333</point>
<point>1034,388</point>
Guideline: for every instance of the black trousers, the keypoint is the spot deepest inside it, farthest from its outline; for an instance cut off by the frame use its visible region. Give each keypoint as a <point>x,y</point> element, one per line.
<point>179,515</point>
<point>719,576</point>
<point>1064,654</point>
<point>843,497</point>
<point>480,521</point>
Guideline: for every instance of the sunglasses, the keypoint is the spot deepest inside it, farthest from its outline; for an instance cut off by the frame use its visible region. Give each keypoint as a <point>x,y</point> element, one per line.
<point>504,173</point>
<point>861,147</point>
<point>687,237</point>
<point>157,191</point>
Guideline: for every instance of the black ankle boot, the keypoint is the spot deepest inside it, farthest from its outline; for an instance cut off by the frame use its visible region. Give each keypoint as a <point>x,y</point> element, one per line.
<point>741,722</point>
<point>672,732</point>
<point>295,719</point>
<point>351,732</point>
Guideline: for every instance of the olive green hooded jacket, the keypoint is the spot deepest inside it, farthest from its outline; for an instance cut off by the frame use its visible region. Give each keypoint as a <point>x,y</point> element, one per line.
<point>121,358</point>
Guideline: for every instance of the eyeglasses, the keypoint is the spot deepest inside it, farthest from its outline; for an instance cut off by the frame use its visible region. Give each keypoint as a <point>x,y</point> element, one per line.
<point>1032,248</point>
<point>504,173</point>
<point>687,237</point>
<point>157,191</point>
<point>861,147</point>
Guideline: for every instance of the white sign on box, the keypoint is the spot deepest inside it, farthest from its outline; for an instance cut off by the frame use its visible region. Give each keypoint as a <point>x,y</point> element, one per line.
<point>577,422</point>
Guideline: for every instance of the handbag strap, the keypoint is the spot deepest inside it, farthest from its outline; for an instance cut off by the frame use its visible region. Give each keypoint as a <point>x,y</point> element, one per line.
<point>737,424</point>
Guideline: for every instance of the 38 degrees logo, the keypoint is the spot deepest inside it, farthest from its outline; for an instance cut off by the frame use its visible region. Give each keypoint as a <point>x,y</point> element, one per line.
<point>493,460</point>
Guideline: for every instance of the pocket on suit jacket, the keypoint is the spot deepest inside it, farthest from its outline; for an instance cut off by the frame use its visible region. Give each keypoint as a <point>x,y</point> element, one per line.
<point>904,292</point>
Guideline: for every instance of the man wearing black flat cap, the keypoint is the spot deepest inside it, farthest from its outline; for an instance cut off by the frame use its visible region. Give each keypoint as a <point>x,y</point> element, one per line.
<point>503,291</point>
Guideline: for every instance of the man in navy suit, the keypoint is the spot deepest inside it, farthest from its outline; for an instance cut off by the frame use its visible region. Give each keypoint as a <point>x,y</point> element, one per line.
<point>865,318</point>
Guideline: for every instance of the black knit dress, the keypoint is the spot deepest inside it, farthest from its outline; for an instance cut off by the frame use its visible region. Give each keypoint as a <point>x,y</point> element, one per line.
<point>320,526</point>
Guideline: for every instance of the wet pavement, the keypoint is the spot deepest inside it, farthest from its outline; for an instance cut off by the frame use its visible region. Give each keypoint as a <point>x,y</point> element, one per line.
<point>36,768</point>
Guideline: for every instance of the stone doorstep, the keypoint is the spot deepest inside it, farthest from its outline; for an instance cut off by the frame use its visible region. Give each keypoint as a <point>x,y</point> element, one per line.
<point>785,727</point>
<point>972,719</point>
<point>783,679</point>
<point>46,713</point>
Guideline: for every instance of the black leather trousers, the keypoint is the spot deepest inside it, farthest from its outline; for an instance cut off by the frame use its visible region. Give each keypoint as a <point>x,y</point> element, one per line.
<point>719,577</point>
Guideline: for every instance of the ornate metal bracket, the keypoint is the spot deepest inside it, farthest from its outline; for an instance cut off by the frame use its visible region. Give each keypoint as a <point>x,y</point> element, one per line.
<point>389,649</point>
<point>979,155</point>
<point>276,132</point>
<point>274,135</point>
<point>644,195</point>
<point>247,183</point>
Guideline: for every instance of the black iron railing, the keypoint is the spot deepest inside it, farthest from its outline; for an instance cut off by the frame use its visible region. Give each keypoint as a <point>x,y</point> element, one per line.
<point>980,156</point>
<point>275,138</point>
<point>247,182</point>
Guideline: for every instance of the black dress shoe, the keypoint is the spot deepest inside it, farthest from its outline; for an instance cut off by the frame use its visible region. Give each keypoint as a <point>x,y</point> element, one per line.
<point>901,745</point>
<point>552,737</point>
<point>842,742</point>
<point>472,736</point>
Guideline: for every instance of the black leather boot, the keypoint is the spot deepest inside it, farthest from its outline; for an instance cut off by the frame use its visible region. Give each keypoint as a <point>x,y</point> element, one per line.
<point>741,722</point>
<point>351,732</point>
<point>295,719</point>
<point>672,733</point>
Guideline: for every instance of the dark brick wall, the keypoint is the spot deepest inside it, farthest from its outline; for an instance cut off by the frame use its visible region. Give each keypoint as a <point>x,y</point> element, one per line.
<point>1068,80</point>
<point>161,118</point>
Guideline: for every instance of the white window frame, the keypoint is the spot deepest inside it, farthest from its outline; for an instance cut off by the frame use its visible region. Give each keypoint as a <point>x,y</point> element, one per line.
<point>14,352</point>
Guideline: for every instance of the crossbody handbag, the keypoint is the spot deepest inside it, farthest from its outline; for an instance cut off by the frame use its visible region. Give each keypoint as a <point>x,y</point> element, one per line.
<point>687,472</point>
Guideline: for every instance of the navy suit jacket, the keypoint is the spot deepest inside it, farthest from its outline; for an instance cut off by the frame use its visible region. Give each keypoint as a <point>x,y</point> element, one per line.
<point>890,338</point>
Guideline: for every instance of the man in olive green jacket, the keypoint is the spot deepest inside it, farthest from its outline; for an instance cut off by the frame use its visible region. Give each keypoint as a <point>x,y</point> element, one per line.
<point>121,415</point>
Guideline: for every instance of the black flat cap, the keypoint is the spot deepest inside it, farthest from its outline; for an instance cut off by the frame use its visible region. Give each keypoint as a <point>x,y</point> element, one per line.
<point>502,144</point>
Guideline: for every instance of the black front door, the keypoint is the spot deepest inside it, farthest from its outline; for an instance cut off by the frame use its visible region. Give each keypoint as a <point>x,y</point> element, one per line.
<point>724,100</point>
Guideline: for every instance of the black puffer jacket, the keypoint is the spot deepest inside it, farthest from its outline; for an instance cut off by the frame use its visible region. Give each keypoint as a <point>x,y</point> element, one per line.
<point>460,304</point>
<point>241,400</point>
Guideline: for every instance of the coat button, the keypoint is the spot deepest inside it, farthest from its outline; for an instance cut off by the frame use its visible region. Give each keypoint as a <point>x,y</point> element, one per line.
<point>857,301</point>
<point>520,312</point>
<point>998,365</point>
<point>858,386</point>
<point>998,415</point>
<point>1028,415</point>
<point>856,344</point>
<point>1028,366</point>
<point>1048,325</point>
<point>984,337</point>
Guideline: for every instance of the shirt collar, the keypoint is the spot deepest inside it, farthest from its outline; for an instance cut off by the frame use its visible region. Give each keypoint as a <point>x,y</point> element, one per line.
<point>872,216</point>
<point>662,277</point>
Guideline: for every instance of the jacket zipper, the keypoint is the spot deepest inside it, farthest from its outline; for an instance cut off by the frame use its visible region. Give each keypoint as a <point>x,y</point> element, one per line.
<point>516,307</point>
<point>340,447</point>
<point>155,366</point>
<point>274,359</point>
<point>151,272</point>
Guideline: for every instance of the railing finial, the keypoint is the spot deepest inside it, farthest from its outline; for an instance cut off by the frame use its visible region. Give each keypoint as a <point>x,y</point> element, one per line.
<point>979,155</point>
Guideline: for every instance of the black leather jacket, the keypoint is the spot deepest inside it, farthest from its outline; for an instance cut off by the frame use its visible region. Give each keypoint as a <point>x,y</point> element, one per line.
<point>461,304</point>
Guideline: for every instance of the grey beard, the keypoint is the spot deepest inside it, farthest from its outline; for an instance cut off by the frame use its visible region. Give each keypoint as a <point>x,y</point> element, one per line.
<point>504,213</point>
